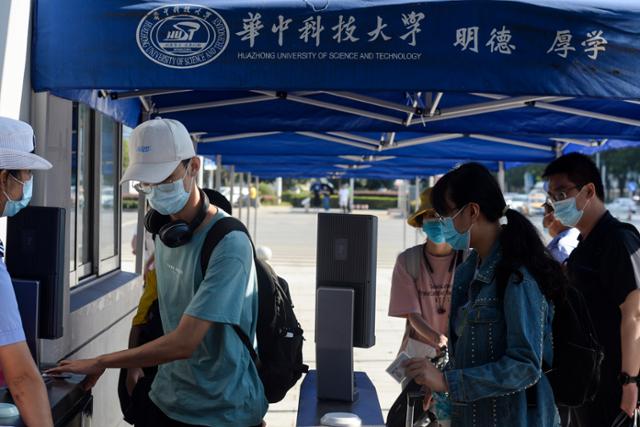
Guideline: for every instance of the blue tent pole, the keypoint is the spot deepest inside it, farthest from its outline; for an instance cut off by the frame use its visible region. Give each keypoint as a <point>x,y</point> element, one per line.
<point>279,190</point>
<point>140,229</point>
<point>352,186</point>
<point>140,233</point>
<point>403,197</point>
<point>255,217</point>
<point>232,182</point>
<point>218,172</point>
<point>240,186</point>
<point>417,199</point>
<point>501,175</point>
<point>559,149</point>
<point>248,201</point>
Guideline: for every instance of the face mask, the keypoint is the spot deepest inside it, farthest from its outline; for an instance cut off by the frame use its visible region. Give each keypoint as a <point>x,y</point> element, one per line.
<point>567,212</point>
<point>433,230</point>
<point>458,241</point>
<point>12,207</point>
<point>169,199</point>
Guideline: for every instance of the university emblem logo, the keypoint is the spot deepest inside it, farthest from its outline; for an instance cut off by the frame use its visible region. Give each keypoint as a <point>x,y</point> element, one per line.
<point>182,36</point>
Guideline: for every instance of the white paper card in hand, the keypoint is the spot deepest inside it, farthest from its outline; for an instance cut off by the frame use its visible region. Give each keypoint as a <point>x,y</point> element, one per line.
<point>417,348</point>
<point>396,370</point>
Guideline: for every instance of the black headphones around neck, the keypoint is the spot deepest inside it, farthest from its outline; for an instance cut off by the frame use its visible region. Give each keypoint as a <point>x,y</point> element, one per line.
<point>175,233</point>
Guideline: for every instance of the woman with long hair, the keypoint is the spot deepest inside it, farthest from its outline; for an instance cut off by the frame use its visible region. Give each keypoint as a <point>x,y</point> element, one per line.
<point>500,324</point>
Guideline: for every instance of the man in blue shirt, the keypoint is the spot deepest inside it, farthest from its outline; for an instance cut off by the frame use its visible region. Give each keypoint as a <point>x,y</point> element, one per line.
<point>206,376</point>
<point>16,364</point>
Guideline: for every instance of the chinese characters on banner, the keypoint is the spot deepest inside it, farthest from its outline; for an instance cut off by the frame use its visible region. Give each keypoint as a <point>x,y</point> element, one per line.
<point>500,41</point>
<point>347,30</point>
<point>311,29</point>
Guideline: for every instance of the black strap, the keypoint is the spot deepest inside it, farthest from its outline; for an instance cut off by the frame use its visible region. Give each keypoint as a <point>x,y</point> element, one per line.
<point>216,233</point>
<point>245,340</point>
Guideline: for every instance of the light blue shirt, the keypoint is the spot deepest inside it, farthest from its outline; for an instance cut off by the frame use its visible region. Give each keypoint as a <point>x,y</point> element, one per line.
<point>563,244</point>
<point>219,384</point>
<point>11,330</point>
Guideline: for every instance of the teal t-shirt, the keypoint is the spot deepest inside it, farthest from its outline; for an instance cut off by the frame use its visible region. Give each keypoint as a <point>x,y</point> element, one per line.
<point>219,385</point>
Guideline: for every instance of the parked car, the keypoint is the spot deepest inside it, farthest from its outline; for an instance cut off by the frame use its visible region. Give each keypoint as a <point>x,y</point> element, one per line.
<point>535,201</point>
<point>107,197</point>
<point>518,202</point>
<point>226,192</point>
<point>623,206</point>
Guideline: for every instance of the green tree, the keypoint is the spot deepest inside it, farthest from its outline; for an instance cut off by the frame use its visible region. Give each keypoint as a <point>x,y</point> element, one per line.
<point>514,177</point>
<point>373,184</point>
<point>619,163</point>
<point>126,133</point>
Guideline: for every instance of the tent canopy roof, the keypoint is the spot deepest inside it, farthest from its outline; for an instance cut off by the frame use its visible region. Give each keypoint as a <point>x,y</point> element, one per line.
<point>517,81</point>
<point>539,47</point>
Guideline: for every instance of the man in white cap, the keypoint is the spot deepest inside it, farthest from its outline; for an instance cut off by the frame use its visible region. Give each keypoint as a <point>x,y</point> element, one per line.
<point>206,376</point>
<point>16,364</point>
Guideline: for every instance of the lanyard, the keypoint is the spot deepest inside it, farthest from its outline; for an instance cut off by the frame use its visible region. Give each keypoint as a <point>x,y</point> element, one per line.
<point>440,297</point>
<point>452,265</point>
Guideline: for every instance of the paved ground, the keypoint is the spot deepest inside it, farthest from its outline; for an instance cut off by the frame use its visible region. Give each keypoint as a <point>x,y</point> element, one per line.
<point>294,259</point>
<point>291,235</point>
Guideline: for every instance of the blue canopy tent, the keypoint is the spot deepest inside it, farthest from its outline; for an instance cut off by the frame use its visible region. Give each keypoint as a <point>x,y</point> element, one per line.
<point>415,81</point>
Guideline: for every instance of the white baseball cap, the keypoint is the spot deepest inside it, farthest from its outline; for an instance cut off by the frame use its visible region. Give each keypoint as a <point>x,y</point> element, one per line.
<point>156,148</point>
<point>17,145</point>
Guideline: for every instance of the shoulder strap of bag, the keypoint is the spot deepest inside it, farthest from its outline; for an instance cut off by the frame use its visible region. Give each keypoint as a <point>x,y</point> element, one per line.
<point>412,261</point>
<point>630,227</point>
<point>216,233</point>
<point>413,258</point>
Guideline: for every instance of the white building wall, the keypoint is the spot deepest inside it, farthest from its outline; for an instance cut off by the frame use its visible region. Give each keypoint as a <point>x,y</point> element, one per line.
<point>15,88</point>
<point>102,324</point>
<point>97,315</point>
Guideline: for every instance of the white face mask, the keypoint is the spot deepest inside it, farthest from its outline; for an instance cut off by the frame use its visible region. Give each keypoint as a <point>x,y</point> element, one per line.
<point>12,207</point>
<point>457,240</point>
<point>567,212</point>
<point>170,198</point>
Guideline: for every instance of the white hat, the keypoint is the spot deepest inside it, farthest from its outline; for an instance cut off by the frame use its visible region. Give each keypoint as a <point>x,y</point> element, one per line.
<point>16,146</point>
<point>156,148</point>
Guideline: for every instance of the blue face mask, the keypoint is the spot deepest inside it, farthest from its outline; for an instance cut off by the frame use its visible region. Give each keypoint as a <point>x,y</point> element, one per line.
<point>566,212</point>
<point>12,207</point>
<point>458,241</point>
<point>170,198</point>
<point>433,230</point>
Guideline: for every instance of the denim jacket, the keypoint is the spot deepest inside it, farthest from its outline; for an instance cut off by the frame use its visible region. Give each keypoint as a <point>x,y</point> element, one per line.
<point>497,349</point>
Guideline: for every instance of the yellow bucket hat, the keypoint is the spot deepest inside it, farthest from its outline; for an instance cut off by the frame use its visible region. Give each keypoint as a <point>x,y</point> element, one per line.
<point>426,207</point>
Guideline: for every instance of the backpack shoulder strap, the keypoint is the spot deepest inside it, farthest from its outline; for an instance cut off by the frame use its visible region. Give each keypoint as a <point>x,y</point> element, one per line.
<point>413,257</point>
<point>245,340</point>
<point>630,227</point>
<point>215,234</point>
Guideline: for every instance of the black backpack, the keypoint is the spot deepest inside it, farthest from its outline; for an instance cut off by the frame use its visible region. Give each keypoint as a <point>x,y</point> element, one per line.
<point>577,355</point>
<point>278,331</point>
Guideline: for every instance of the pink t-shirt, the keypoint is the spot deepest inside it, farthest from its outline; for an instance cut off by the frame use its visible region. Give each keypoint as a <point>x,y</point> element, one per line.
<point>427,295</point>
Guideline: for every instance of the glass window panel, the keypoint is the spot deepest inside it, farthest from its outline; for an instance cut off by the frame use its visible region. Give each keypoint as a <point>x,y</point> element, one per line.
<point>80,213</point>
<point>109,188</point>
<point>129,216</point>
<point>74,189</point>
